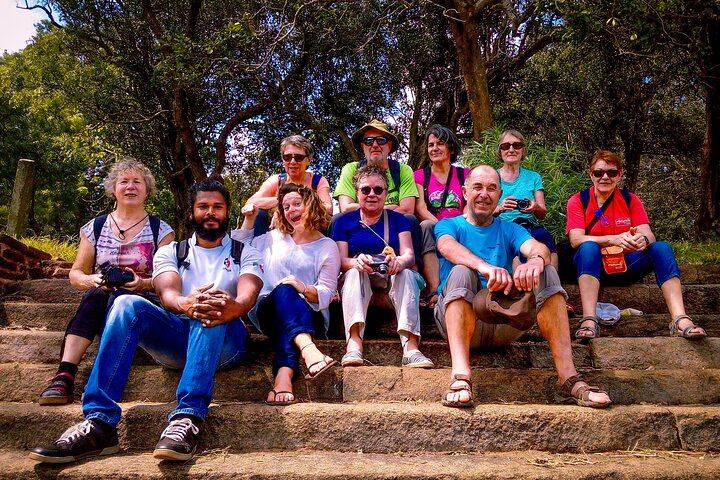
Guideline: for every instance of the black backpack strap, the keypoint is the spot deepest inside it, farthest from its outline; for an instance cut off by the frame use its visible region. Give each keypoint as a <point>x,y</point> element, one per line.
<point>98,224</point>
<point>282,178</point>
<point>426,186</point>
<point>155,227</point>
<point>585,199</point>
<point>626,195</point>
<point>395,174</point>
<point>461,179</point>
<point>236,249</point>
<point>315,181</point>
<point>181,252</point>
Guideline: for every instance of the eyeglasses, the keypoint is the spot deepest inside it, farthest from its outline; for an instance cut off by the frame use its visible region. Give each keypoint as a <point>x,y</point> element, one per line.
<point>293,157</point>
<point>380,141</point>
<point>600,173</point>
<point>377,190</point>
<point>516,145</point>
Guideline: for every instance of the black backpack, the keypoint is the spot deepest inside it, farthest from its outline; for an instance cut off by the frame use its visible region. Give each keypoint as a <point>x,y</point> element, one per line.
<point>182,248</point>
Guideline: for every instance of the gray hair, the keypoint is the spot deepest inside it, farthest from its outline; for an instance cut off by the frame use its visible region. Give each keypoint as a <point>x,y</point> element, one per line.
<point>128,165</point>
<point>300,142</point>
<point>504,134</point>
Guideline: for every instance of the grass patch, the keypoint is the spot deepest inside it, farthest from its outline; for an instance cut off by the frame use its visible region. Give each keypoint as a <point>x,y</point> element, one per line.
<point>702,253</point>
<point>56,248</point>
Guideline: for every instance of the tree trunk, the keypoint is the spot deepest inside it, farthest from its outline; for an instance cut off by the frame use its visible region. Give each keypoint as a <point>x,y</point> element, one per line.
<point>472,63</point>
<point>707,221</point>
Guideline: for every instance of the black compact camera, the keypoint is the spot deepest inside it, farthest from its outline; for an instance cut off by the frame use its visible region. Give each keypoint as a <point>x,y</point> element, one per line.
<point>378,264</point>
<point>522,204</point>
<point>115,276</point>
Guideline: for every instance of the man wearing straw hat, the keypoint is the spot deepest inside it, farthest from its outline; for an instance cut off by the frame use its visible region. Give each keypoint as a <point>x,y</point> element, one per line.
<point>376,142</point>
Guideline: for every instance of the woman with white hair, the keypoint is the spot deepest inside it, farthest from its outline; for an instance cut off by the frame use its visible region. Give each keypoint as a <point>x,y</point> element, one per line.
<point>115,257</point>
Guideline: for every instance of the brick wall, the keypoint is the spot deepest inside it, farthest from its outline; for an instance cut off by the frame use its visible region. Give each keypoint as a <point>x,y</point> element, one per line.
<point>20,262</point>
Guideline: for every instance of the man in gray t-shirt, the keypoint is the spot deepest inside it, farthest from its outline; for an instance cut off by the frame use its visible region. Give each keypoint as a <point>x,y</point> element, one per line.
<point>198,330</point>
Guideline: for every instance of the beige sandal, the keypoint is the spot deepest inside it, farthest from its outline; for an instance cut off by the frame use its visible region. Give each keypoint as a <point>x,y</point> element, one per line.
<point>467,386</point>
<point>582,394</point>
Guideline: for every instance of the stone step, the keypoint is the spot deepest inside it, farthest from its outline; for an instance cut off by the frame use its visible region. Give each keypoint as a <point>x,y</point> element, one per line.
<point>395,427</point>
<point>24,382</point>
<point>55,290</point>
<point>649,299</point>
<point>55,317</point>
<point>36,346</point>
<point>329,465</point>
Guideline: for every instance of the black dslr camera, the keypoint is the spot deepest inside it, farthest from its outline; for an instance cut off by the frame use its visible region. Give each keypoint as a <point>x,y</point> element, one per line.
<point>523,204</point>
<point>115,276</point>
<point>378,264</point>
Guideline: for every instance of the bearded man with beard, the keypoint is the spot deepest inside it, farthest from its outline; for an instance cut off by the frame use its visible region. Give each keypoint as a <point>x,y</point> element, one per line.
<point>476,257</point>
<point>198,330</point>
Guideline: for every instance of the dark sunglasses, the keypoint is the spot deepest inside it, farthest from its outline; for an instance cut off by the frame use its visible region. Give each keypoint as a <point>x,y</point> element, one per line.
<point>600,173</point>
<point>293,157</point>
<point>516,145</point>
<point>377,190</point>
<point>380,141</point>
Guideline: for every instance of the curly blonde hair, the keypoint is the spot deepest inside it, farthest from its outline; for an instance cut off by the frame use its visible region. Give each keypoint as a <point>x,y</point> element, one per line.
<point>315,216</point>
<point>128,165</point>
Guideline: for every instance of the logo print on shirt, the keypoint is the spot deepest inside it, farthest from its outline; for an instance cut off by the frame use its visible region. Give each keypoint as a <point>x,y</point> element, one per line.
<point>226,264</point>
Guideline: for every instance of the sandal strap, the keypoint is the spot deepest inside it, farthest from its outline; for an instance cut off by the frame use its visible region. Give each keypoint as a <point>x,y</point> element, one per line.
<point>590,319</point>
<point>566,387</point>
<point>675,325</point>
<point>306,345</point>
<point>459,377</point>
<point>584,391</point>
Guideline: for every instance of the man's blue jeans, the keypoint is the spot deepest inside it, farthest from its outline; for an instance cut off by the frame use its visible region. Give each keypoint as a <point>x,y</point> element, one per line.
<point>657,257</point>
<point>174,341</point>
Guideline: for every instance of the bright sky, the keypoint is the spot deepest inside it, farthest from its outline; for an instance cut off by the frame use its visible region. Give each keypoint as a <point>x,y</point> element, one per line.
<point>16,25</point>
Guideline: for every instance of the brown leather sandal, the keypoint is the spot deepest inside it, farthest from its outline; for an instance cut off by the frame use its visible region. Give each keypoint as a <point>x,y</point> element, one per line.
<point>687,332</point>
<point>592,332</point>
<point>467,386</point>
<point>582,395</point>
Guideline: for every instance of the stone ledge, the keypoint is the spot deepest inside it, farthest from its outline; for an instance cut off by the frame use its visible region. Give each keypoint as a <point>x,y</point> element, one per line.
<point>329,465</point>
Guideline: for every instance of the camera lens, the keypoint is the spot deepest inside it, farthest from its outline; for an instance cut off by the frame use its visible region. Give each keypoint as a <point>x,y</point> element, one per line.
<point>382,268</point>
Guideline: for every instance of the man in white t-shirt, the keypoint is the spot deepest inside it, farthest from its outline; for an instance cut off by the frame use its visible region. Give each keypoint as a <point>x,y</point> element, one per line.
<point>199,330</point>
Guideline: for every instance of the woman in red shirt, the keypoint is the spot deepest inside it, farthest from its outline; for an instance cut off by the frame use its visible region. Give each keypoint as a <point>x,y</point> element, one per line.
<point>607,216</point>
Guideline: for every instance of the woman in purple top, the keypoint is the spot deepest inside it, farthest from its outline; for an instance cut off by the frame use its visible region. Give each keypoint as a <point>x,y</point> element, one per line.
<point>441,196</point>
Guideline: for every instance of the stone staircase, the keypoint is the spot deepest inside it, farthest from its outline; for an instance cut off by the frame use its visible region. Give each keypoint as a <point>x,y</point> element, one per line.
<point>383,421</point>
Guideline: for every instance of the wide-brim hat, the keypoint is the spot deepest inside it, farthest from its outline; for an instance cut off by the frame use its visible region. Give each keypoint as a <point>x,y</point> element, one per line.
<point>377,125</point>
<point>516,309</point>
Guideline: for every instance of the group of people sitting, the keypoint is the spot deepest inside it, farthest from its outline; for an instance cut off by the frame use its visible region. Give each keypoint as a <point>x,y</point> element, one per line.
<point>457,240</point>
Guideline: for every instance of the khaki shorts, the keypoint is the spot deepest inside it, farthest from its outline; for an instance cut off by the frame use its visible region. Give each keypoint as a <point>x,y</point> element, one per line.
<point>464,283</point>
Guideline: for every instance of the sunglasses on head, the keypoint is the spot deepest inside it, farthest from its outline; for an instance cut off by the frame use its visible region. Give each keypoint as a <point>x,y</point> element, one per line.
<point>516,145</point>
<point>377,190</point>
<point>293,157</point>
<point>600,173</point>
<point>380,140</point>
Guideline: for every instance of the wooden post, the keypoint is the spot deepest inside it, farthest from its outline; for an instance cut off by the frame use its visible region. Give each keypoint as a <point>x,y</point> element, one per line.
<point>21,198</point>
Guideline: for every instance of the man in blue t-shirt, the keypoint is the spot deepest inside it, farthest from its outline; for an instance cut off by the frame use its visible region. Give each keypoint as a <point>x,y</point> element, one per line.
<point>476,255</point>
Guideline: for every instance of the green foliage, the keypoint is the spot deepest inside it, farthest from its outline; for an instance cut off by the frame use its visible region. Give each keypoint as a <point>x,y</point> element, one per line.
<point>66,250</point>
<point>697,253</point>
<point>44,124</point>
<point>560,166</point>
